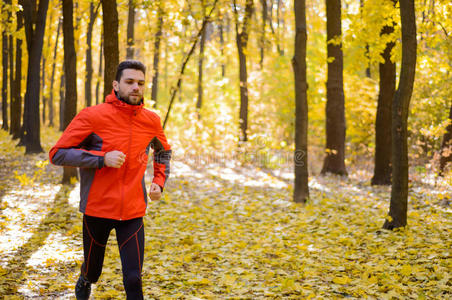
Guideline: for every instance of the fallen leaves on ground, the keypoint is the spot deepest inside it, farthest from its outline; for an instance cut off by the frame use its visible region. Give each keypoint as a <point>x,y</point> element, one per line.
<point>233,236</point>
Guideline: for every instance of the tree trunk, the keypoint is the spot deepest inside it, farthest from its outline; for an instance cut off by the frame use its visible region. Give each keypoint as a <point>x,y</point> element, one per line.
<point>446,146</point>
<point>301,189</point>
<point>52,78</point>
<point>242,41</point>
<point>158,37</point>
<point>89,55</point>
<point>399,192</point>
<point>130,28</point>
<point>335,112</point>
<point>100,68</point>
<point>16,103</point>
<point>382,169</point>
<point>202,43</point>
<point>278,24</point>
<point>43,97</point>
<point>111,48</point>
<point>368,75</point>
<point>361,5</point>
<point>272,28</point>
<point>4,72</point>
<point>264,23</point>
<point>62,93</point>
<point>43,70</point>
<point>11,72</point>
<point>70,70</point>
<point>34,29</point>
<point>223,65</point>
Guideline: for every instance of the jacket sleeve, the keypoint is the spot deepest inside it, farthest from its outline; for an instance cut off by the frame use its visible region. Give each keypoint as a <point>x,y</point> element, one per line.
<point>162,156</point>
<point>74,148</point>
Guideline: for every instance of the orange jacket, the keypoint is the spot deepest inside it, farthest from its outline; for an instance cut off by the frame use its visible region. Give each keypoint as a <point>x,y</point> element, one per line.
<point>114,193</point>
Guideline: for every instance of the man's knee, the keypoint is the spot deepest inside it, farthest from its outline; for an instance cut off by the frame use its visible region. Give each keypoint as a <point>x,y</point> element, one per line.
<point>132,281</point>
<point>91,275</point>
<point>92,278</point>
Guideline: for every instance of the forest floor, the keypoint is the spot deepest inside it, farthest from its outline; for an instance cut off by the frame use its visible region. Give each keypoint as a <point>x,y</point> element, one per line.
<point>229,231</point>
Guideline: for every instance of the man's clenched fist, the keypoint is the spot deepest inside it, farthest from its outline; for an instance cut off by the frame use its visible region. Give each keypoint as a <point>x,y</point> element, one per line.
<point>156,192</point>
<point>114,159</point>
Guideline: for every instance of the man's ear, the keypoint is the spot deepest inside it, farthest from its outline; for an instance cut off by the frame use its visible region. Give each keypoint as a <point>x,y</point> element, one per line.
<point>115,85</point>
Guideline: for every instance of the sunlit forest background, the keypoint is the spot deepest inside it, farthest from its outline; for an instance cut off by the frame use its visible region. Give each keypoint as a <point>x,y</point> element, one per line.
<point>270,81</point>
<point>191,52</point>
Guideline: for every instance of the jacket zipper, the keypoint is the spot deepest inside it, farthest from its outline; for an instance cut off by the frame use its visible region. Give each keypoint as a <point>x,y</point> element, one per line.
<point>125,166</point>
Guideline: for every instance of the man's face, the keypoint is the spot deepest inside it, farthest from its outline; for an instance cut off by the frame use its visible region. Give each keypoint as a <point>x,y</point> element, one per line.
<point>131,85</point>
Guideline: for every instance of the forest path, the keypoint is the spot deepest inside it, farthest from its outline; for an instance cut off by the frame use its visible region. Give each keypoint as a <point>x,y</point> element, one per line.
<point>226,231</point>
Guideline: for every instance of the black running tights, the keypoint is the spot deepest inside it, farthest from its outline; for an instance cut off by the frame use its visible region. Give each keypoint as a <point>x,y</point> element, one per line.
<point>130,237</point>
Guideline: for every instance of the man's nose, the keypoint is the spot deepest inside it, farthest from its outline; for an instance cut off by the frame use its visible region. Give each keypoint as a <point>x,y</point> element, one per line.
<point>135,86</point>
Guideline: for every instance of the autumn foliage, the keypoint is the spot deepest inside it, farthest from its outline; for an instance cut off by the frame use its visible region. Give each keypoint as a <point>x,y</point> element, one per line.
<point>227,226</point>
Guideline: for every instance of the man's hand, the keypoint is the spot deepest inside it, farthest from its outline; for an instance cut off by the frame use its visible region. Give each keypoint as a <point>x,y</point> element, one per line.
<point>156,192</point>
<point>114,159</point>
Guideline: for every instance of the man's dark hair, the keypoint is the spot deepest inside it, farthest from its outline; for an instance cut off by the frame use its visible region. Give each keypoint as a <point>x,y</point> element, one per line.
<point>129,64</point>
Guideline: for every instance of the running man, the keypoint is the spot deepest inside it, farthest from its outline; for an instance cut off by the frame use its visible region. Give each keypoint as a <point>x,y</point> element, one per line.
<point>110,143</point>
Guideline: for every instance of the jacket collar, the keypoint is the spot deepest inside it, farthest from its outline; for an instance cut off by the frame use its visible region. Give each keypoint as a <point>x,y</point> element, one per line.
<point>113,99</point>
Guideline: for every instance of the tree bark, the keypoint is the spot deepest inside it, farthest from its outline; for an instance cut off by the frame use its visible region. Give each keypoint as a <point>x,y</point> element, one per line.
<point>16,103</point>
<point>399,192</point>
<point>301,189</point>
<point>446,146</point>
<point>111,46</point>
<point>278,24</point>
<point>361,5</point>
<point>11,71</point>
<point>368,74</point>
<point>262,41</point>
<point>242,42</point>
<point>335,111</point>
<point>272,28</point>
<point>52,78</point>
<point>202,43</point>
<point>43,97</point>
<point>62,95</point>
<point>223,65</point>
<point>387,70</point>
<point>5,70</point>
<point>34,30</point>
<point>100,68</point>
<point>70,69</point>
<point>89,56</point>
<point>130,29</point>
<point>155,66</point>
<point>43,70</point>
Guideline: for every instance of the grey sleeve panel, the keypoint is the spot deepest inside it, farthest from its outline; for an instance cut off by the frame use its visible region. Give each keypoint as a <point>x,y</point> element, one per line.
<point>161,156</point>
<point>166,160</point>
<point>164,157</point>
<point>86,180</point>
<point>77,158</point>
<point>145,193</point>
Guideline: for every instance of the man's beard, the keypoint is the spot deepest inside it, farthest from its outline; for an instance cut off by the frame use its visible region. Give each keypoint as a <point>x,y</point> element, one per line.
<point>126,98</point>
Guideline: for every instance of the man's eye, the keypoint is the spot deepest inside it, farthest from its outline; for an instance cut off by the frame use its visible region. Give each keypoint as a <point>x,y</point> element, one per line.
<point>140,83</point>
<point>129,81</point>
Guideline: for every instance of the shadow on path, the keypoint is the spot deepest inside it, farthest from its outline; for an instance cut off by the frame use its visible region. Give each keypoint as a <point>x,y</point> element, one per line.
<point>60,217</point>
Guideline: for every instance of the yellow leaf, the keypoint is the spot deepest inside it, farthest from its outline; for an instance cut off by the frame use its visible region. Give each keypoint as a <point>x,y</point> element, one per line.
<point>228,279</point>
<point>288,284</point>
<point>187,258</point>
<point>406,270</point>
<point>341,280</point>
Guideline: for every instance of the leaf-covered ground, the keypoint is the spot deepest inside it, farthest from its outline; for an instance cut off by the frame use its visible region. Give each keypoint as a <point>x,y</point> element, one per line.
<point>224,231</point>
